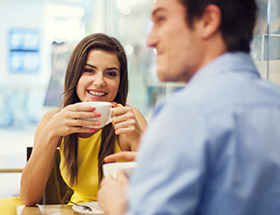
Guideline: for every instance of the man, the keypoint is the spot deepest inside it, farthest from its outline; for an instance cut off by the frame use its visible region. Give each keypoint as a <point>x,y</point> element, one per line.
<point>214,148</point>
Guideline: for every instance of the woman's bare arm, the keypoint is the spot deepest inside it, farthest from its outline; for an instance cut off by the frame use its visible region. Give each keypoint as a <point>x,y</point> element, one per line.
<point>53,125</point>
<point>38,167</point>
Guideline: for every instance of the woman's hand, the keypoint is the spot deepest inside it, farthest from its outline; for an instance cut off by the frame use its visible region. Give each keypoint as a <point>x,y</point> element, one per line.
<point>68,120</point>
<point>128,123</point>
<point>53,125</point>
<point>112,196</point>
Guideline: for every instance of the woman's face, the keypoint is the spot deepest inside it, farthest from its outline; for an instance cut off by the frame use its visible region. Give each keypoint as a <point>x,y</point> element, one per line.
<point>101,77</point>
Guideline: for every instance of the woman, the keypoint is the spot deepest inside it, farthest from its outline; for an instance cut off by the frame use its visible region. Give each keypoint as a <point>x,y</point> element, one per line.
<point>97,71</point>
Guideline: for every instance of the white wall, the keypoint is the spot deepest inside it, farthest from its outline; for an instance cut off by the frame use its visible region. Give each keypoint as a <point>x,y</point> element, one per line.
<point>21,14</point>
<point>25,90</point>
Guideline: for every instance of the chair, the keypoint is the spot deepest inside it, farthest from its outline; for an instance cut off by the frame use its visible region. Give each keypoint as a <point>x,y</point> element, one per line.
<point>56,191</point>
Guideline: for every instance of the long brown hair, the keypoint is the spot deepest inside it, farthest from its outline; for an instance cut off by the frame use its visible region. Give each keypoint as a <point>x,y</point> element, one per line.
<point>74,71</point>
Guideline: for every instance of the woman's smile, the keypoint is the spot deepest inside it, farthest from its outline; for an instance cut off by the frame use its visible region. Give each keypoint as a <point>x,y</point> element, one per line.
<point>97,93</point>
<point>101,77</point>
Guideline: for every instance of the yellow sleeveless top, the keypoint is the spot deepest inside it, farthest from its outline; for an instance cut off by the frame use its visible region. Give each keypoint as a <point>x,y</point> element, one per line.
<point>87,187</point>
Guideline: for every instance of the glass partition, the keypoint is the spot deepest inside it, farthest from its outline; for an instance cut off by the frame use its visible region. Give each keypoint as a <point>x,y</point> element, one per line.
<point>130,22</point>
<point>266,43</point>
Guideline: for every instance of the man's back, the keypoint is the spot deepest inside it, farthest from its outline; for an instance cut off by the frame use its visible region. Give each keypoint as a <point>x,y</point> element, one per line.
<point>243,122</point>
<point>219,141</point>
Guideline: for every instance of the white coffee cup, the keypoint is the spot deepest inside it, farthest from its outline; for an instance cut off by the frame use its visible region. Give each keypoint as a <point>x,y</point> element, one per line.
<point>105,109</point>
<point>113,168</point>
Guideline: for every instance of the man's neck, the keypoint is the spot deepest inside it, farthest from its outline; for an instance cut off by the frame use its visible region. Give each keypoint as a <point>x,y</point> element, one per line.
<point>214,47</point>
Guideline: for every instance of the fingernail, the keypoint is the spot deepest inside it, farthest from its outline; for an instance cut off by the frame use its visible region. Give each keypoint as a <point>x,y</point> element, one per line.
<point>92,108</point>
<point>92,129</point>
<point>97,114</point>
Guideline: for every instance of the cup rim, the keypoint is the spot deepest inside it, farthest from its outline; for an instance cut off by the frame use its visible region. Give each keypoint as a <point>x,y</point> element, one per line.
<point>111,168</point>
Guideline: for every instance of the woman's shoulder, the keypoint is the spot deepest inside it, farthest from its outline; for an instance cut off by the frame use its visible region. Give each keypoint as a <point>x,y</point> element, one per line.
<point>46,117</point>
<point>43,122</point>
<point>50,114</point>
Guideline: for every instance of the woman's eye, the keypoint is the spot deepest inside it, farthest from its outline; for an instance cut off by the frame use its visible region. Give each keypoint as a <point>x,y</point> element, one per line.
<point>88,70</point>
<point>112,74</point>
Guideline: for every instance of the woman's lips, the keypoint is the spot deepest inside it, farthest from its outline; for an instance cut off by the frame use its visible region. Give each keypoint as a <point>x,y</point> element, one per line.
<point>97,93</point>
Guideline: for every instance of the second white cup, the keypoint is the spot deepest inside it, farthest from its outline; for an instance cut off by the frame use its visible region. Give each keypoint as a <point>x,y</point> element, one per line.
<point>113,168</point>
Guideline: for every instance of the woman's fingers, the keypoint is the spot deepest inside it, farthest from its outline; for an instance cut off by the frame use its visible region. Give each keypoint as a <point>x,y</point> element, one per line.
<point>123,119</point>
<point>120,110</point>
<point>71,130</point>
<point>125,127</point>
<point>128,116</point>
<point>83,122</point>
<point>77,115</point>
<point>68,121</point>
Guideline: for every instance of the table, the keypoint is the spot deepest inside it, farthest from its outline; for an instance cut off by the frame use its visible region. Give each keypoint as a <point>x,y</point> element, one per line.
<point>11,170</point>
<point>46,210</point>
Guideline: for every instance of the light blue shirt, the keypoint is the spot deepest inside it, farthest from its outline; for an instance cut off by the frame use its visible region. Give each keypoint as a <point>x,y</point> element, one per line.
<point>214,148</point>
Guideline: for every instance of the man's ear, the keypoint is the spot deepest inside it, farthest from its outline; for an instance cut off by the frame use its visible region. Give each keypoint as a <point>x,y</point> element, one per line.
<point>211,20</point>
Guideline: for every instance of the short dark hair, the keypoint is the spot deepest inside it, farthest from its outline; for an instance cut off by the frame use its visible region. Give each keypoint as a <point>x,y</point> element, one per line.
<point>237,24</point>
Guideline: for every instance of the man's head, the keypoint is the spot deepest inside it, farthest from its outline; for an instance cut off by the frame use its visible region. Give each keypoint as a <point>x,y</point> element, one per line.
<point>187,34</point>
<point>237,23</point>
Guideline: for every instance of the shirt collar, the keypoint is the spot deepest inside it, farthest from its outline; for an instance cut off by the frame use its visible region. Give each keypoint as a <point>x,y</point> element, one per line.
<point>228,62</point>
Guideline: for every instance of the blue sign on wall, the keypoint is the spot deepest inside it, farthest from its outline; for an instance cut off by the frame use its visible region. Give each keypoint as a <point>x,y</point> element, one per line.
<point>24,47</point>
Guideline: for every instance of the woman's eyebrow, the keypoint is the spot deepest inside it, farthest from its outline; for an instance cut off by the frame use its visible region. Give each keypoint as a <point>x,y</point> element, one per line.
<point>109,68</point>
<point>90,65</point>
<point>113,68</point>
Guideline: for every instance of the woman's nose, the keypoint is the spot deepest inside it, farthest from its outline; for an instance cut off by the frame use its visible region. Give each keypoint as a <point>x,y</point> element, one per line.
<point>99,81</point>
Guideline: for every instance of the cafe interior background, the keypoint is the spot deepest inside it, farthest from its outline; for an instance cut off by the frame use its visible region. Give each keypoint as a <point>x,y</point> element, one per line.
<point>37,37</point>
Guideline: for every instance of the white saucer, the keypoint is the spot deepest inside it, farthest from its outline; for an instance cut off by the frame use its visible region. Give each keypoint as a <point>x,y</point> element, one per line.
<point>96,210</point>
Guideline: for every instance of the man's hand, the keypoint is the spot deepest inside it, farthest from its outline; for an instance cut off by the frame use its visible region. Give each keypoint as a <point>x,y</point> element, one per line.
<point>112,196</point>
<point>121,156</point>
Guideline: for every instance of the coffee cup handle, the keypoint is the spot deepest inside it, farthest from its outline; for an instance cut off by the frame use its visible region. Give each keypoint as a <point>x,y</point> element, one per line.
<point>110,117</point>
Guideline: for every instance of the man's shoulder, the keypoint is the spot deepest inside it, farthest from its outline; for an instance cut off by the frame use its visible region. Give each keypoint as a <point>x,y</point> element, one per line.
<point>226,91</point>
